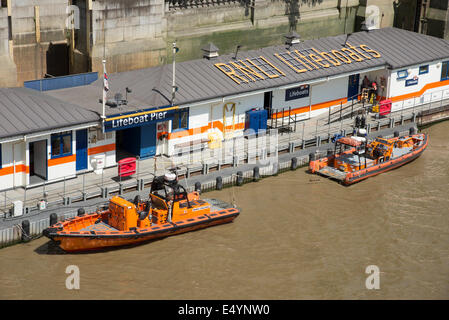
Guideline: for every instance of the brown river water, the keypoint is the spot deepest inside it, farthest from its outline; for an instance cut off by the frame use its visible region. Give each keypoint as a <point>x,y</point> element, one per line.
<point>299,236</point>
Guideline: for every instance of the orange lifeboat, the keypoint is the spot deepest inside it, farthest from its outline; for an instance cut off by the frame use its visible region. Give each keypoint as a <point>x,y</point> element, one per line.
<point>170,210</point>
<point>357,160</point>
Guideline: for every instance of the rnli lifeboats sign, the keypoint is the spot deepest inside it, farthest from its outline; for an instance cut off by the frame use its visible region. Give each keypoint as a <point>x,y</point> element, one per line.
<point>141,118</point>
<point>304,60</point>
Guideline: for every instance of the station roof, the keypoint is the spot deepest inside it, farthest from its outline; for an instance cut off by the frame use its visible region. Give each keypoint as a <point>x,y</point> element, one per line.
<point>26,111</point>
<point>202,79</point>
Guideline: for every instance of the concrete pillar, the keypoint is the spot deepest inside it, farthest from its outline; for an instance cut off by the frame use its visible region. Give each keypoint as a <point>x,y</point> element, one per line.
<point>235,161</point>
<point>291,147</point>
<point>391,122</point>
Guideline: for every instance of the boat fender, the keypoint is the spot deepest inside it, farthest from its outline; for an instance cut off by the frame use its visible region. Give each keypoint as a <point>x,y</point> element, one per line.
<point>412,130</point>
<point>219,183</point>
<point>53,218</point>
<point>81,212</point>
<point>396,134</point>
<point>26,231</point>
<point>198,186</point>
<point>312,156</point>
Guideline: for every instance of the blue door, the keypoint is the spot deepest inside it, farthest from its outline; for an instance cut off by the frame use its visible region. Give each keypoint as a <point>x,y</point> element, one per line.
<point>353,86</point>
<point>81,149</point>
<point>148,141</point>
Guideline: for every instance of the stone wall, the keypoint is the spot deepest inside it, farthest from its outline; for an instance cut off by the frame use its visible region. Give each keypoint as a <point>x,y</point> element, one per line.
<point>35,54</point>
<point>136,34</point>
<point>8,71</point>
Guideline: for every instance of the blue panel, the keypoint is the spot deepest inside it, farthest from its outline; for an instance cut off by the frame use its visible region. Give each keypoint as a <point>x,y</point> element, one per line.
<point>353,86</point>
<point>69,81</point>
<point>256,120</point>
<point>148,141</point>
<point>263,118</point>
<point>81,149</point>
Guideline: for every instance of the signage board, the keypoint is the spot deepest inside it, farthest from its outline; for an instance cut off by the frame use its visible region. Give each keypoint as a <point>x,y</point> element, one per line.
<point>139,118</point>
<point>411,82</point>
<point>297,92</point>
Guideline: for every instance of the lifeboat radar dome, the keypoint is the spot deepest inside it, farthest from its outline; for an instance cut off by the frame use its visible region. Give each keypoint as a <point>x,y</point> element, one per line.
<point>169,176</point>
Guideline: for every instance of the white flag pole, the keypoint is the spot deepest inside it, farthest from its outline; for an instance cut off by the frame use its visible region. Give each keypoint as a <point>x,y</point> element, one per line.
<point>104,91</point>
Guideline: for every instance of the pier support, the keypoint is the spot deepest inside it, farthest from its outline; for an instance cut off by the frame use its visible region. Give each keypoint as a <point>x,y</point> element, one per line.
<point>219,183</point>
<point>66,201</point>
<point>256,173</point>
<point>291,147</point>
<point>104,192</point>
<point>235,161</point>
<point>26,231</point>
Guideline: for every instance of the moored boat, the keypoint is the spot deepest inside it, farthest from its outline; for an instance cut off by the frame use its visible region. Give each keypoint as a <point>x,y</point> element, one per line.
<point>170,210</point>
<point>356,159</point>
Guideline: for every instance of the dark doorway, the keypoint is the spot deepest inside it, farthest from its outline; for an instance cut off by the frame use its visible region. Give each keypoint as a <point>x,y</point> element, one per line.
<point>137,141</point>
<point>57,60</point>
<point>267,102</point>
<point>38,161</point>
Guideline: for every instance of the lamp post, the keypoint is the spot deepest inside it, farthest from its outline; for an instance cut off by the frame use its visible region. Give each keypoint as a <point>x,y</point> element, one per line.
<point>174,88</point>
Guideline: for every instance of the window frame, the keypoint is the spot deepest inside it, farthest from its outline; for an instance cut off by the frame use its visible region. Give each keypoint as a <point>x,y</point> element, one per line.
<point>178,113</point>
<point>402,77</point>
<point>426,71</point>
<point>447,71</point>
<point>61,135</point>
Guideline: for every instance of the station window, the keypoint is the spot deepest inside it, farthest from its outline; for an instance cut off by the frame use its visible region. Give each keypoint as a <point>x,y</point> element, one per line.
<point>402,74</point>
<point>61,144</point>
<point>445,71</point>
<point>424,69</point>
<point>180,120</point>
<point>3,3</point>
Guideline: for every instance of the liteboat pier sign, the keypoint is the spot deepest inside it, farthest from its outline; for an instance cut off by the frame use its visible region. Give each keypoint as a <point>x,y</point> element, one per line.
<point>140,118</point>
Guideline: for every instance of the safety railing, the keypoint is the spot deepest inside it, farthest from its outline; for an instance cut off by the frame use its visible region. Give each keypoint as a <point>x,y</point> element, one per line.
<point>233,152</point>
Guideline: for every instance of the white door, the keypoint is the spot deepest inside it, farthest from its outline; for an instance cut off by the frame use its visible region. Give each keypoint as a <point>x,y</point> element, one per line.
<point>161,138</point>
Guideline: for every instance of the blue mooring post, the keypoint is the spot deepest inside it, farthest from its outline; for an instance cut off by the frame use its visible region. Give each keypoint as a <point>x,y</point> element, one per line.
<point>311,156</point>
<point>411,130</point>
<point>219,183</point>
<point>81,212</point>
<point>25,230</point>
<point>198,186</point>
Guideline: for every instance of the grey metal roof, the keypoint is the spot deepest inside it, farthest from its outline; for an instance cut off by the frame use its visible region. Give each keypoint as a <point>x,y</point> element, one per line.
<point>25,111</point>
<point>200,79</point>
